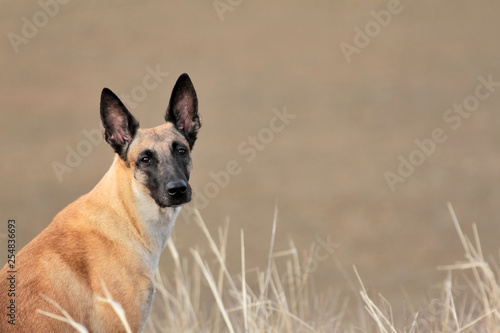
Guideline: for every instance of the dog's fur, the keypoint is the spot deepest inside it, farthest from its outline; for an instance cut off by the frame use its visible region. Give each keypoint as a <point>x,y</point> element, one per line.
<point>114,233</point>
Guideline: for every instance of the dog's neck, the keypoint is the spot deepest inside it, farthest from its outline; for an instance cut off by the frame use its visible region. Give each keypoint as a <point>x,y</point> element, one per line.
<point>150,223</point>
<point>157,222</point>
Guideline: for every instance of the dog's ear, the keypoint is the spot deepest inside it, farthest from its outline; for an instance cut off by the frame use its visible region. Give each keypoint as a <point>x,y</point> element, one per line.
<point>119,124</point>
<point>182,110</point>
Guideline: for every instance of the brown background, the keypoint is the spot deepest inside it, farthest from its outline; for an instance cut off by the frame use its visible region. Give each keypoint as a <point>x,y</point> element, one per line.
<point>325,170</point>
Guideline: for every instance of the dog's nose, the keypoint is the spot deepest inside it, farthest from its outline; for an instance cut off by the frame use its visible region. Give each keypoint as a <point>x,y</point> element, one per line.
<point>176,187</point>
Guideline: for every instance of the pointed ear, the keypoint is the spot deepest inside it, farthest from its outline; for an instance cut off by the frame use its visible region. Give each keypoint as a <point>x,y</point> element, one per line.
<point>182,110</point>
<point>119,125</point>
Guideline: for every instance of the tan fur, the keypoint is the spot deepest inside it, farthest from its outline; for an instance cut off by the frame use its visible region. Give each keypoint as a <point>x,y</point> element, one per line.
<point>116,233</point>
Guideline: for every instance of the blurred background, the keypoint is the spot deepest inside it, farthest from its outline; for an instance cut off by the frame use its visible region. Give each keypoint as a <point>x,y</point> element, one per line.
<point>359,121</point>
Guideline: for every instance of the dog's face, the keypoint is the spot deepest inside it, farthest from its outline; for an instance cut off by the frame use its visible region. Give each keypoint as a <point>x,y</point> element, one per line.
<point>158,158</point>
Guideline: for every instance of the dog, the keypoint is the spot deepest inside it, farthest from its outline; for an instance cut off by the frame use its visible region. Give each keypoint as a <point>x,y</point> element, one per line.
<point>113,235</point>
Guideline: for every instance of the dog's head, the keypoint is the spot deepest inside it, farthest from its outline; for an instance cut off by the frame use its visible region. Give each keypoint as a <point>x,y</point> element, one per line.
<point>158,158</point>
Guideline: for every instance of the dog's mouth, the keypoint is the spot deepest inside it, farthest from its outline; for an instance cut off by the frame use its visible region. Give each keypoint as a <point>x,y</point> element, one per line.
<point>171,205</point>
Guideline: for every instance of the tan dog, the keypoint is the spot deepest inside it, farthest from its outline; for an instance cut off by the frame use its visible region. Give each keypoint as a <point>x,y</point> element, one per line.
<point>116,232</point>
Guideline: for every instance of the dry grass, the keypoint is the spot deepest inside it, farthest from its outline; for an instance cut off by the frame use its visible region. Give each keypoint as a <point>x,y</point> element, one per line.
<point>279,302</point>
<point>285,300</point>
<point>468,303</point>
<point>204,296</point>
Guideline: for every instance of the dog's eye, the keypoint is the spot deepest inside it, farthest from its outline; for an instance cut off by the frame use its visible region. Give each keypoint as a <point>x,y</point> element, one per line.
<point>145,159</point>
<point>181,151</point>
